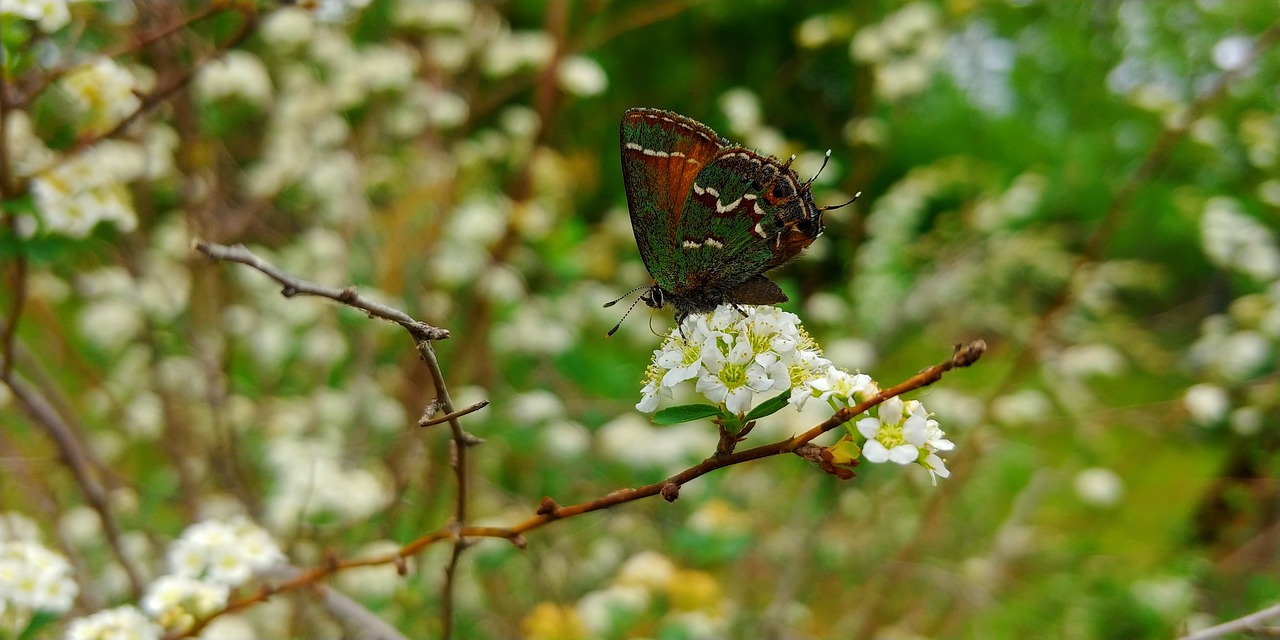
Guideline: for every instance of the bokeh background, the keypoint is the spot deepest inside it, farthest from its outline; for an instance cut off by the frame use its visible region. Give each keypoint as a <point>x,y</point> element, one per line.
<point>1092,188</point>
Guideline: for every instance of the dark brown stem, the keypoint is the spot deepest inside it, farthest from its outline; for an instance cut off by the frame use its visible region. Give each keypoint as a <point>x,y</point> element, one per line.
<point>72,452</point>
<point>548,511</point>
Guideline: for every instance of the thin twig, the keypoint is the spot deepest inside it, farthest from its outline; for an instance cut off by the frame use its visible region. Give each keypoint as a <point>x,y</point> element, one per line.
<point>1239,625</point>
<point>548,511</point>
<point>427,422</point>
<point>72,452</point>
<point>292,286</point>
<point>9,330</point>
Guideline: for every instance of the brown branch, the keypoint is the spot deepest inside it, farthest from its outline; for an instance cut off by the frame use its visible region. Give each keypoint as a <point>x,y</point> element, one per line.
<point>9,330</point>
<point>155,98</point>
<point>423,336</point>
<point>160,95</point>
<point>548,511</point>
<point>72,452</point>
<point>421,331</point>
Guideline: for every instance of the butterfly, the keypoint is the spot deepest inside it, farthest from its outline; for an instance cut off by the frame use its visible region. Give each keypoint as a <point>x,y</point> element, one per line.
<point>710,217</point>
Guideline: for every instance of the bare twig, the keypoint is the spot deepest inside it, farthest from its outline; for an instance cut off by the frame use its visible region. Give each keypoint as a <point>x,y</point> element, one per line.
<point>548,511</point>
<point>428,421</point>
<point>72,452</point>
<point>155,98</point>
<point>292,286</point>
<point>9,329</point>
<point>1239,625</point>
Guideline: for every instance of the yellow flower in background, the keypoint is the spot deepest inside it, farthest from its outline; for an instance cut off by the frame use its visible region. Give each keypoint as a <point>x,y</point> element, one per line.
<point>550,621</point>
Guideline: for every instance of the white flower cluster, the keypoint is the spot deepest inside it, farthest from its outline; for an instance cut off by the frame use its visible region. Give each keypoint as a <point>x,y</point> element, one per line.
<point>205,563</point>
<point>77,193</point>
<point>32,578</point>
<point>903,432</point>
<point>104,91</point>
<point>313,481</point>
<point>120,623</point>
<point>225,553</point>
<point>735,356</point>
<point>903,50</point>
<point>50,15</point>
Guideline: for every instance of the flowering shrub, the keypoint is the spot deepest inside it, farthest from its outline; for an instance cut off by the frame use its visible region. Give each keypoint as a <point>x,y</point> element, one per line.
<point>179,441</point>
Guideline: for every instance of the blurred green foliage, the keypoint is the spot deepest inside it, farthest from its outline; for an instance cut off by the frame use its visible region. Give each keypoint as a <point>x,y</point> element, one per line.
<point>1090,187</point>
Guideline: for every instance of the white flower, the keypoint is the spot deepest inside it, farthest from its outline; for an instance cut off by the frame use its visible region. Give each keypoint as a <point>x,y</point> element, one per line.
<point>34,578</point>
<point>104,91</point>
<point>581,76</point>
<point>226,553</point>
<point>1099,486</point>
<point>51,15</point>
<point>513,51</point>
<point>121,623</point>
<point>177,601</point>
<point>287,27</point>
<point>1207,403</point>
<point>734,357</point>
<point>78,192</point>
<point>887,440</point>
<point>1234,240</point>
<point>234,74</point>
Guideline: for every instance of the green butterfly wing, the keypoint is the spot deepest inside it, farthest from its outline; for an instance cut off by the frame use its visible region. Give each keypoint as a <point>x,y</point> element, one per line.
<point>662,153</point>
<point>745,214</point>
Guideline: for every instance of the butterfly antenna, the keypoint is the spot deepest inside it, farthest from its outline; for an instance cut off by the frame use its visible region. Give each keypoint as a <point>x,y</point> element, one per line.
<point>613,302</point>
<point>837,206</point>
<point>824,166</point>
<point>624,316</point>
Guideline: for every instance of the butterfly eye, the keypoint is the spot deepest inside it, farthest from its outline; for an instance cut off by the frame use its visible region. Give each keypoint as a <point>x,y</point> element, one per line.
<point>782,190</point>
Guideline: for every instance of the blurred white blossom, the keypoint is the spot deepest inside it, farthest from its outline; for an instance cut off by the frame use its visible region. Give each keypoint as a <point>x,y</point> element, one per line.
<point>234,74</point>
<point>287,27</point>
<point>121,623</point>
<point>582,76</point>
<point>176,602</point>
<point>226,553</point>
<point>514,51</point>
<point>1234,240</point>
<point>1099,487</point>
<point>32,578</point>
<point>78,192</point>
<point>1206,403</point>
<point>50,15</point>
<point>104,92</point>
<point>903,49</point>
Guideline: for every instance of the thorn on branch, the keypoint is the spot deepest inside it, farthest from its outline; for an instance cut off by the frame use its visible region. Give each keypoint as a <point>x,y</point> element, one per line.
<point>427,420</point>
<point>670,491</point>
<point>402,567</point>
<point>520,541</point>
<point>548,507</point>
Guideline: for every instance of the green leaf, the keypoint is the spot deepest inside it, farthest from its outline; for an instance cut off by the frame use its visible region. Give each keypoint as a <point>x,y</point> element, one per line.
<point>769,407</point>
<point>685,413</point>
<point>39,621</point>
